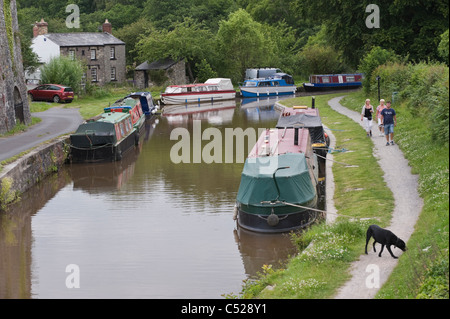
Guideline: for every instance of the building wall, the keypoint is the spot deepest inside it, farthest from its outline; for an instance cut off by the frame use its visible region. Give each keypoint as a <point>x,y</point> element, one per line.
<point>102,62</point>
<point>45,48</point>
<point>176,75</point>
<point>14,105</point>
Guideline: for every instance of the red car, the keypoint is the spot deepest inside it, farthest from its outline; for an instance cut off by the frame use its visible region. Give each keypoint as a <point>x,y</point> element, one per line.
<point>51,92</point>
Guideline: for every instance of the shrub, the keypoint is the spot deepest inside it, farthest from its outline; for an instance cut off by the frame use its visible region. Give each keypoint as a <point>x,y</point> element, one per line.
<point>424,87</point>
<point>376,57</point>
<point>63,70</point>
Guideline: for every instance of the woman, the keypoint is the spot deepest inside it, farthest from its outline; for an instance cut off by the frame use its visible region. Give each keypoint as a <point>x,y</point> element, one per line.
<point>366,116</point>
<point>380,108</point>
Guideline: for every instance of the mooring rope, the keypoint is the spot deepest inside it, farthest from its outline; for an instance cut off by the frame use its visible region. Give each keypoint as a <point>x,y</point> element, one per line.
<point>88,149</point>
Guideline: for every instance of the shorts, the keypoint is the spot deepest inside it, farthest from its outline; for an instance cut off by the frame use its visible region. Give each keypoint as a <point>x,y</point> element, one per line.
<point>388,129</point>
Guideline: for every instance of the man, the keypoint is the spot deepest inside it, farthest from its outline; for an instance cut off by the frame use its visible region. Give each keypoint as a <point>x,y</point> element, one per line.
<point>389,120</point>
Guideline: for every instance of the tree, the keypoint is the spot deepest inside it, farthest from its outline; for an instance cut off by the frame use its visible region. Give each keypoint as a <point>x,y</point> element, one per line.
<point>242,44</point>
<point>188,40</point>
<point>406,27</point>
<point>65,71</point>
<point>443,46</point>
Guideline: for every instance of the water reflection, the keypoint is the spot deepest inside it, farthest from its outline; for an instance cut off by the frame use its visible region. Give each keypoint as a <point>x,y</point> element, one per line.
<point>143,227</point>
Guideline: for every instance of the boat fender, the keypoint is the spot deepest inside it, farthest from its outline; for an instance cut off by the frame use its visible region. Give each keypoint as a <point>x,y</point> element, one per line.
<point>273,220</point>
<point>235,214</point>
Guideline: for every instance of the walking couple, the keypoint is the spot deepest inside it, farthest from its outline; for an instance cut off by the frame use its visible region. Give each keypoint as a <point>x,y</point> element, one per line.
<point>386,116</point>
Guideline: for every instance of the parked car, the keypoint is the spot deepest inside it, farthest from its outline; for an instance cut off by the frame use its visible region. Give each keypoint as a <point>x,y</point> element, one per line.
<point>52,92</point>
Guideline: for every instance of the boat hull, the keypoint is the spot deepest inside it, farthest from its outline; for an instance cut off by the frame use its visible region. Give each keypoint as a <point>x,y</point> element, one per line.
<point>267,91</point>
<point>105,152</point>
<point>314,87</point>
<point>276,223</point>
<point>184,98</point>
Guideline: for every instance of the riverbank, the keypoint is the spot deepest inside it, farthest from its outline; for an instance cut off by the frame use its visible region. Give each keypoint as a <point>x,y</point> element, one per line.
<point>320,269</point>
<point>20,175</point>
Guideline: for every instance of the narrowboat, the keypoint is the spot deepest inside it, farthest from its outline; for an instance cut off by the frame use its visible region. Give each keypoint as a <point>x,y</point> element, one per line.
<point>303,116</point>
<point>323,82</point>
<point>147,103</point>
<point>131,106</point>
<point>105,139</point>
<point>216,89</point>
<point>278,84</point>
<point>279,183</point>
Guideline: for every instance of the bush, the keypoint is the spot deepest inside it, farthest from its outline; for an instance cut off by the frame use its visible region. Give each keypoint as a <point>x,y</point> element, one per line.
<point>424,87</point>
<point>64,71</point>
<point>204,71</point>
<point>376,57</point>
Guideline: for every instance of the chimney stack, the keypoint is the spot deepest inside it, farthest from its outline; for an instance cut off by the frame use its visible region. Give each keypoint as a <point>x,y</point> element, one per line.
<point>107,27</point>
<point>40,28</point>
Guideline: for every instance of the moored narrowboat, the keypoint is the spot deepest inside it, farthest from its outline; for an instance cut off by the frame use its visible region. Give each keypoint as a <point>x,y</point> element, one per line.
<point>105,139</point>
<point>147,103</point>
<point>324,82</point>
<point>303,116</point>
<point>131,106</point>
<point>278,190</point>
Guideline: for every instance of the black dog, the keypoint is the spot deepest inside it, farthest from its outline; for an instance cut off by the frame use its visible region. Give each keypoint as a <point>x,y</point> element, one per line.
<point>385,238</point>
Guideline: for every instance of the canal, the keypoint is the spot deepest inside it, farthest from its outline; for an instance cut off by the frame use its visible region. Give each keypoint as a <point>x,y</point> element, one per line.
<point>145,227</point>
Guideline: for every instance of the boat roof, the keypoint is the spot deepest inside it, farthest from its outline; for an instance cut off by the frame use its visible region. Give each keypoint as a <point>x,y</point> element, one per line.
<point>113,117</point>
<point>299,120</point>
<point>343,74</point>
<point>209,82</point>
<point>281,141</point>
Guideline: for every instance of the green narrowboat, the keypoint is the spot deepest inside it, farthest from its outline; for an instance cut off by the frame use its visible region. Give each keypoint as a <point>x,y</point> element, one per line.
<point>105,139</point>
<point>279,183</point>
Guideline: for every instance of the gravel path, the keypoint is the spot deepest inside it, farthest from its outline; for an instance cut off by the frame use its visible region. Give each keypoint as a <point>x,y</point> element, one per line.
<point>56,121</point>
<point>408,205</point>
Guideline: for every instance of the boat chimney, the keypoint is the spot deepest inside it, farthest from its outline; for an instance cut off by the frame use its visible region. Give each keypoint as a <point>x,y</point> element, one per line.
<point>313,102</point>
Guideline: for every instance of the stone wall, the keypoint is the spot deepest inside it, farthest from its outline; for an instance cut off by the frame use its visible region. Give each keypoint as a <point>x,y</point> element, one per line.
<point>17,177</point>
<point>103,62</point>
<point>14,105</point>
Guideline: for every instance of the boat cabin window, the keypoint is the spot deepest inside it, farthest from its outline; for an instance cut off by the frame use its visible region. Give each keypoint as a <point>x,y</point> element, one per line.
<point>173,90</point>
<point>350,78</point>
<point>326,79</point>
<point>214,88</point>
<point>264,84</point>
<point>250,83</point>
<point>276,83</point>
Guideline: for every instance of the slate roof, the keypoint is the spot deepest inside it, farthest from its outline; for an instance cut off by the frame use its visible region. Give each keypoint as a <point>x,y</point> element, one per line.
<point>163,64</point>
<point>83,39</point>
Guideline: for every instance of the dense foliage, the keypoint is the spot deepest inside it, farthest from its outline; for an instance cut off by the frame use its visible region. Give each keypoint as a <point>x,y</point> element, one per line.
<point>64,71</point>
<point>299,36</point>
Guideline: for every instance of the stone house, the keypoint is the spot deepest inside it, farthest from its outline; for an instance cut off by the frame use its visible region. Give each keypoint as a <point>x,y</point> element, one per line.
<point>166,71</point>
<point>103,54</point>
<point>14,105</point>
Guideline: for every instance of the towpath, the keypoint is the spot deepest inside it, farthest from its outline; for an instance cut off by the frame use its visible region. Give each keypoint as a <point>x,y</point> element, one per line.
<point>56,121</point>
<point>408,205</point>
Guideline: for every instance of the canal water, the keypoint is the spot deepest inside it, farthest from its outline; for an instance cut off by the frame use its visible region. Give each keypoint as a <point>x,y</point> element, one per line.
<point>144,227</point>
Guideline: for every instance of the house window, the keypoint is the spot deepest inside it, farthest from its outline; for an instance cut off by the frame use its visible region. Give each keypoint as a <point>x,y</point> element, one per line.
<point>112,52</point>
<point>113,74</point>
<point>94,74</point>
<point>93,54</point>
<point>72,54</point>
